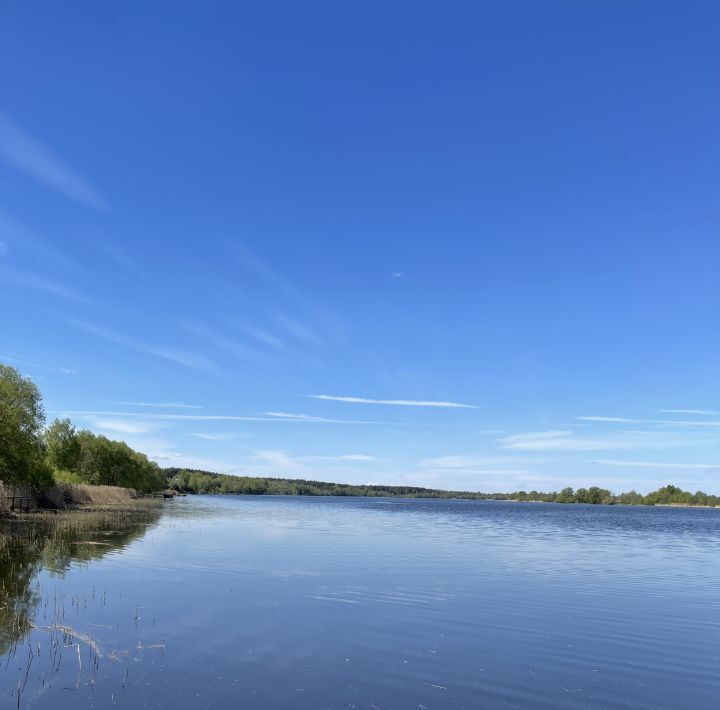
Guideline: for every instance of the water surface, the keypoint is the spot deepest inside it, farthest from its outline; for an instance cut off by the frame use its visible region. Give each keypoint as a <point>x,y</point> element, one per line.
<point>311,603</point>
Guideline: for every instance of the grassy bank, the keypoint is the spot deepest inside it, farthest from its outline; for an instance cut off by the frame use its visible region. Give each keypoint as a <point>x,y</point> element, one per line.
<point>71,496</point>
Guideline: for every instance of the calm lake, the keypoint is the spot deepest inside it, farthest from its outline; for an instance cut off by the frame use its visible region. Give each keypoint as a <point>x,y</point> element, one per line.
<point>381,604</point>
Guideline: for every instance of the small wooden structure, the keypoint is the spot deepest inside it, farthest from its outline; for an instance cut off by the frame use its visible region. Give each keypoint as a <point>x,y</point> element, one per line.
<point>21,503</point>
<point>21,498</point>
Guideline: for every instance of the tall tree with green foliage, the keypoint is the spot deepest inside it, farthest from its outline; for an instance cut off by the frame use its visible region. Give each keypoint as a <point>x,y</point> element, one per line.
<point>84,457</point>
<point>31,455</point>
<point>63,445</point>
<point>22,418</point>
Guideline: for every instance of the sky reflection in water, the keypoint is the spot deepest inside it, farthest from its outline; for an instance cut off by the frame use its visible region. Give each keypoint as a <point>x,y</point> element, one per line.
<point>362,603</point>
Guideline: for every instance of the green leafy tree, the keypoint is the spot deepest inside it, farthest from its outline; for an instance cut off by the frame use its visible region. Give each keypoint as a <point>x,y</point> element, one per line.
<point>631,498</point>
<point>566,495</point>
<point>102,461</point>
<point>22,417</point>
<point>597,495</point>
<point>63,445</point>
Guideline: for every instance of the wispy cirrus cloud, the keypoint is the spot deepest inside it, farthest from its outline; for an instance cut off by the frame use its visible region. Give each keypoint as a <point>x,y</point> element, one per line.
<point>179,357</point>
<point>465,465</point>
<point>162,405</point>
<point>253,263</point>
<point>471,460</point>
<point>303,319</point>
<point>110,248</point>
<point>123,426</point>
<point>561,445</point>
<point>660,422</point>
<point>287,416</point>
<point>35,282</point>
<point>29,156</point>
<point>709,412</point>
<point>658,464</point>
<point>29,362</point>
<point>167,455</point>
<point>538,435</point>
<point>613,420</point>
<point>554,440</point>
<point>568,440</point>
<point>262,336</point>
<point>279,461</point>
<point>233,347</point>
<point>393,402</point>
<point>326,467</point>
<point>214,436</point>
<point>167,417</point>
<point>297,329</point>
<point>25,242</point>
<point>352,458</point>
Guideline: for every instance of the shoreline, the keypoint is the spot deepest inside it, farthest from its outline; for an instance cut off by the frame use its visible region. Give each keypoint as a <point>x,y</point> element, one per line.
<point>138,506</point>
<point>450,498</point>
<point>16,502</point>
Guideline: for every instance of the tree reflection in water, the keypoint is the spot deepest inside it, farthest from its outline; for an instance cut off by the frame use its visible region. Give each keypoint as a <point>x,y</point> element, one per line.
<point>54,543</point>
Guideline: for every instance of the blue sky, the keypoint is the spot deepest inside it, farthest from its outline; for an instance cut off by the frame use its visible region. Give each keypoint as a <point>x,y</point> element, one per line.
<point>289,238</point>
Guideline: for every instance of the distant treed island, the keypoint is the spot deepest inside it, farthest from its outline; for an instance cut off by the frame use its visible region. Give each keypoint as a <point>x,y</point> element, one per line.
<point>41,456</point>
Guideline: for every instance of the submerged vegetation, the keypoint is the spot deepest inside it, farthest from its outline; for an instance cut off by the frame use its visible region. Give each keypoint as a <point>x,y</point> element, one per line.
<point>29,544</point>
<point>32,454</point>
<point>194,481</point>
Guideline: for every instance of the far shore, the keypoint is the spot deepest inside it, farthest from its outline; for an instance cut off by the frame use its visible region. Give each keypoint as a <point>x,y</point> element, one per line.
<point>78,498</point>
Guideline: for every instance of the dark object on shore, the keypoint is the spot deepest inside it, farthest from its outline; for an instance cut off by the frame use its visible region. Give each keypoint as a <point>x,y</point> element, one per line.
<point>21,503</point>
<point>168,495</point>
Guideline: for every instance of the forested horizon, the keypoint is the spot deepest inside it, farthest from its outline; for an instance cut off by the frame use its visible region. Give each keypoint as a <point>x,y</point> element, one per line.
<point>32,453</point>
<point>197,481</point>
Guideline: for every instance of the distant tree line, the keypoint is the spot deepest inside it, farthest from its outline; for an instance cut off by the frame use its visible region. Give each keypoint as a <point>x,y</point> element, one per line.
<point>186,480</point>
<point>36,455</point>
<point>667,495</point>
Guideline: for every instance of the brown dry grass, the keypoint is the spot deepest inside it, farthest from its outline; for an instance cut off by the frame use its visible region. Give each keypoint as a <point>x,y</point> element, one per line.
<point>80,494</point>
<point>76,496</point>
